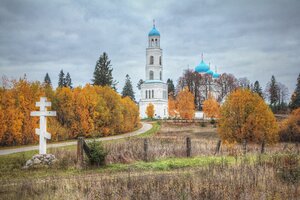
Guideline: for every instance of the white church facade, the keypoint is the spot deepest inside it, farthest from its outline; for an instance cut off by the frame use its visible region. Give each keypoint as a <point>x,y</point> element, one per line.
<point>154,90</point>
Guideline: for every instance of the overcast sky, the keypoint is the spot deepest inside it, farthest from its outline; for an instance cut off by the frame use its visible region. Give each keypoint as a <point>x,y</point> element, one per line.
<point>253,39</point>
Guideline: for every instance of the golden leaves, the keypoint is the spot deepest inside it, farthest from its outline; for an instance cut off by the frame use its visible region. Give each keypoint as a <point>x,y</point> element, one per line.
<point>150,110</point>
<point>245,115</point>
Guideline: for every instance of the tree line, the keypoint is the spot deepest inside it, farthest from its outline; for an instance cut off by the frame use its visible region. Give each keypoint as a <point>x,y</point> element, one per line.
<point>201,85</point>
<point>92,110</point>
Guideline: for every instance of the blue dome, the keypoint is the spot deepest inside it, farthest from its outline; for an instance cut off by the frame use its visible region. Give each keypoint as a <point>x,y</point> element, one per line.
<point>154,32</point>
<point>202,67</point>
<point>216,75</point>
<point>209,72</point>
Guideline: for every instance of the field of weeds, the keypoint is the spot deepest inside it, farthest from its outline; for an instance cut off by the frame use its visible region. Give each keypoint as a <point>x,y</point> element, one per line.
<point>167,174</point>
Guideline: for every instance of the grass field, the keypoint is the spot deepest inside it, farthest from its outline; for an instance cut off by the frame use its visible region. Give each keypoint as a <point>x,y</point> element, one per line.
<point>168,174</point>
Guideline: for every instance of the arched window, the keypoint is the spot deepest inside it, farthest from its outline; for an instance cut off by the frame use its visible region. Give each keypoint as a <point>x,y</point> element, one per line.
<point>159,60</point>
<point>152,43</point>
<point>160,75</point>
<point>151,75</point>
<point>151,60</point>
<point>152,93</point>
<point>156,43</point>
<point>146,94</point>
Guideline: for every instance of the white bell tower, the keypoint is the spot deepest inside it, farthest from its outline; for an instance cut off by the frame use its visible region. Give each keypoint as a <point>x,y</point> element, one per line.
<point>154,90</point>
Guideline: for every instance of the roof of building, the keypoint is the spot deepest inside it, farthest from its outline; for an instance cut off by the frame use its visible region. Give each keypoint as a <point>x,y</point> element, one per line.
<point>209,72</point>
<point>154,32</point>
<point>202,67</point>
<point>216,75</point>
<point>153,81</point>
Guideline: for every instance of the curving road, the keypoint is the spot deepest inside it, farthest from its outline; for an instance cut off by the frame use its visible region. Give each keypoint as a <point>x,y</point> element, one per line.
<point>145,127</point>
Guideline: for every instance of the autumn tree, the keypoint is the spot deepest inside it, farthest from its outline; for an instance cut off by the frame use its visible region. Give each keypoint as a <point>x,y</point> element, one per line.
<point>290,127</point>
<point>196,83</point>
<point>185,104</point>
<point>246,117</point>
<point>172,106</point>
<point>103,72</point>
<point>17,101</point>
<point>295,99</point>
<point>127,89</point>
<point>211,107</point>
<point>150,110</point>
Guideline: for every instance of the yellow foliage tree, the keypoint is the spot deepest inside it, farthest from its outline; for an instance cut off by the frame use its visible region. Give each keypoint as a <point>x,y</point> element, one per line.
<point>150,110</point>
<point>82,111</point>
<point>290,128</point>
<point>172,106</point>
<point>211,107</point>
<point>245,116</point>
<point>185,104</point>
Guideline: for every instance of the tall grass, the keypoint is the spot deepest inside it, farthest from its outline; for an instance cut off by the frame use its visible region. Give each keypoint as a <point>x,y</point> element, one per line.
<point>259,180</point>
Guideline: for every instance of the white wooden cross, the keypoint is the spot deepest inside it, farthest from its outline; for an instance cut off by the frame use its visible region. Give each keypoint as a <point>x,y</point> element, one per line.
<point>42,132</point>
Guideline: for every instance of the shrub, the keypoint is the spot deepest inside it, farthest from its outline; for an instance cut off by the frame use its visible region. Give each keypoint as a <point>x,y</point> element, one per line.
<point>97,153</point>
<point>288,168</point>
<point>290,128</point>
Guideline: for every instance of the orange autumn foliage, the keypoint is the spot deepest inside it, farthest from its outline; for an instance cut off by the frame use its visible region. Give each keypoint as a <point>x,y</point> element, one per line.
<point>150,110</point>
<point>245,115</point>
<point>290,127</point>
<point>172,106</point>
<point>185,104</point>
<point>16,102</point>
<point>211,108</point>
<point>83,111</point>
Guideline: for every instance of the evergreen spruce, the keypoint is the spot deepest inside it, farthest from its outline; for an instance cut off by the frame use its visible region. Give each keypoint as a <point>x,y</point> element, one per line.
<point>257,89</point>
<point>127,89</point>
<point>68,81</point>
<point>295,100</point>
<point>61,79</point>
<point>273,92</point>
<point>47,80</point>
<point>103,72</point>
<point>171,88</point>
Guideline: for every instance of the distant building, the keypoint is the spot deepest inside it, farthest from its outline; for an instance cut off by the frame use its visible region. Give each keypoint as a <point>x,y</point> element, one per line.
<point>154,90</point>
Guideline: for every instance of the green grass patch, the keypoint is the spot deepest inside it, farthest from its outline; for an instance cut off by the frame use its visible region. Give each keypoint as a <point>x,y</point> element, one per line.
<point>155,128</point>
<point>171,163</point>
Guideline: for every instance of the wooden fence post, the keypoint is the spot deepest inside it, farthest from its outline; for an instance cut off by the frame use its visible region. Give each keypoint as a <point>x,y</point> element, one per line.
<point>262,151</point>
<point>146,145</point>
<point>188,147</point>
<point>80,143</point>
<point>244,146</point>
<point>218,147</point>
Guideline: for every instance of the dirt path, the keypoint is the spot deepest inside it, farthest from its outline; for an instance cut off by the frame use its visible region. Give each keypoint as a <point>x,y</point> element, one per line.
<point>145,127</point>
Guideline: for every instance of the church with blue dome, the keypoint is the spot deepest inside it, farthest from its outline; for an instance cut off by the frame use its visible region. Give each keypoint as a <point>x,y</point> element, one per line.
<point>154,90</point>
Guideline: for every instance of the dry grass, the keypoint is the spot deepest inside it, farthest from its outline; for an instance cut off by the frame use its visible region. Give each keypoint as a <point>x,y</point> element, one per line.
<point>275,175</point>
<point>241,181</point>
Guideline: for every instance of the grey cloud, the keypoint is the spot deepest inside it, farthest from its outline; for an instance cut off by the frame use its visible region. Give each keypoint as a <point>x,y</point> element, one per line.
<point>247,38</point>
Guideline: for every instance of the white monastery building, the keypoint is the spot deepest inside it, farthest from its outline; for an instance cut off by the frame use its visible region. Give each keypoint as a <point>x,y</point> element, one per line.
<point>154,90</point>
